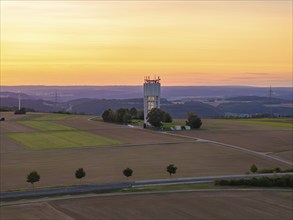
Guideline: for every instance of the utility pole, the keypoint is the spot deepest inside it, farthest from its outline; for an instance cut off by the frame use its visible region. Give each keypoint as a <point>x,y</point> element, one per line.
<point>56,99</point>
<point>18,100</point>
<point>270,101</point>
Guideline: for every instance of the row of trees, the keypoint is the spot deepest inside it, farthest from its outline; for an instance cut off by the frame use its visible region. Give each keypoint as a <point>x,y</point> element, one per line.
<point>33,176</point>
<point>122,115</point>
<point>283,181</point>
<point>156,117</point>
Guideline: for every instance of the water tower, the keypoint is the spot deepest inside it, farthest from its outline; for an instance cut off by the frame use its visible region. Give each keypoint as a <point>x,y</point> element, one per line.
<point>152,93</point>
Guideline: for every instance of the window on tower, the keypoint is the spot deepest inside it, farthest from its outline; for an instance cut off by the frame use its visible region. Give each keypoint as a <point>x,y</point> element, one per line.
<point>151,98</point>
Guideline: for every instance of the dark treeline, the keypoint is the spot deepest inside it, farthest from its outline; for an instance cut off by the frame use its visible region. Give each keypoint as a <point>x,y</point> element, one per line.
<point>178,109</point>
<point>122,115</point>
<point>283,181</point>
<point>15,109</point>
<point>277,170</point>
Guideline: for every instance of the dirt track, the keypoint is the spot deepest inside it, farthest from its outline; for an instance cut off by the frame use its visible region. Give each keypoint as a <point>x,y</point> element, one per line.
<point>188,205</point>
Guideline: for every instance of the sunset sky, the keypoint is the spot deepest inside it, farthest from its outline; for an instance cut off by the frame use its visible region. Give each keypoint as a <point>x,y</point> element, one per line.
<point>120,42</point>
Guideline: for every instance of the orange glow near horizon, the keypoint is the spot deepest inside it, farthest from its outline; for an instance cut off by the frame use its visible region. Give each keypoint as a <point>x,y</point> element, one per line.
<point>118,43</point>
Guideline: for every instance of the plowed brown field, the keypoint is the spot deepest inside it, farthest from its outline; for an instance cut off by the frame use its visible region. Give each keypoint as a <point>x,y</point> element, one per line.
<point>188,205</point>
<point>262,138</point>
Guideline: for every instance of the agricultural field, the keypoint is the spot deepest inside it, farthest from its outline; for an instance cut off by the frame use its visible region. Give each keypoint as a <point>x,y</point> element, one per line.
<point>44,133</point>
<point>68,139</point>
<point>105,149</point>
<point>180,205</point>
<point>271,136</point>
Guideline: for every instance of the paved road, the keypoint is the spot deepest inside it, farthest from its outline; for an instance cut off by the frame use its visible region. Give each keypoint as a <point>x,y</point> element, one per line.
<point>125,185</point>
<point>64,190</point>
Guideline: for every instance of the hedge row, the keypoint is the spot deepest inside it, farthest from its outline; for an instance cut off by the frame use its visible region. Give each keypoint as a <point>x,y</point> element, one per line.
<point>277,170</point>
<point>282,181</point>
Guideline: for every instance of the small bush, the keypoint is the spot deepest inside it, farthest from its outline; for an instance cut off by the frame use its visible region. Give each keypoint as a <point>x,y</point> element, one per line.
<point>279,182</point>
<point>253,181</point>
<point>222,182</point>
<point>21,111</point>
<point>265,181</point>
<point>253,168</point>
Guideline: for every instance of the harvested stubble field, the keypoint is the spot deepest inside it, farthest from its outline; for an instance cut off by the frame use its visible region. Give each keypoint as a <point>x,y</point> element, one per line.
<point>146,152</point>
<point>184,205</point>
<point>267,135</point>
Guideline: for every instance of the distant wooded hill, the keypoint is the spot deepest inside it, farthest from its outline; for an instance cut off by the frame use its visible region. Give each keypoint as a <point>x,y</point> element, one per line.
<point>177,109</point>
<point>259,99</point>
<point>67,93</point>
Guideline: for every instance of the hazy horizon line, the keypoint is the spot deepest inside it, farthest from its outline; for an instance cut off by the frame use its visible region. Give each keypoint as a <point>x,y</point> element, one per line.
<point>142,84</point>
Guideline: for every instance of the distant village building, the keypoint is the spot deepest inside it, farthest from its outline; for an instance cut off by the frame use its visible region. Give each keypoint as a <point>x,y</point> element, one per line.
<point>152,94</point>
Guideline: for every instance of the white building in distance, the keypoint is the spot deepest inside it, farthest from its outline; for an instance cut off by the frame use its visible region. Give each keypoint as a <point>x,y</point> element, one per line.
<point>152,94</point>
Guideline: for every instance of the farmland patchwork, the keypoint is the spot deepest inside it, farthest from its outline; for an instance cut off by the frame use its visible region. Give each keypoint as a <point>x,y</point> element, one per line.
<point>50,135</point>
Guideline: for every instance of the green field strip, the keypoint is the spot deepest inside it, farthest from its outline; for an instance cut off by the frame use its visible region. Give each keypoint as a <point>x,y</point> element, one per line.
<point>267,123</point>
<point>45,125</point>
<point>61,139</point>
